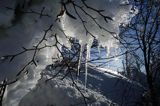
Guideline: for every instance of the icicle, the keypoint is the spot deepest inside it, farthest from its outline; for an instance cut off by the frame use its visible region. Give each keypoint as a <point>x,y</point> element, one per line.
<point>116,53</point>
<point>99,50</point>
<point>108,47</point>
<point>86,65</point>
<point>89,44</point>
<point>79,59</point>
<point>107,51</point>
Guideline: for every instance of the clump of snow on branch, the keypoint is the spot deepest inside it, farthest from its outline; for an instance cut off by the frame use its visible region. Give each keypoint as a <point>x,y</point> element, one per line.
<point>91,24</point>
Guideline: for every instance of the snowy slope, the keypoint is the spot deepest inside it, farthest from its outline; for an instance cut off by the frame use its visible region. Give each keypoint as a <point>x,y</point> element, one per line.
<point>101,90</point>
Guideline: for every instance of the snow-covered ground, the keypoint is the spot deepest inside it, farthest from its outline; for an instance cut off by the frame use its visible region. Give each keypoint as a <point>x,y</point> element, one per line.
<point>102,88</point>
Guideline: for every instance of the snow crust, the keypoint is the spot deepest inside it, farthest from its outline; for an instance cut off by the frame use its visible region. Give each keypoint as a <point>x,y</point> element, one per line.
<point>29,30</point>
